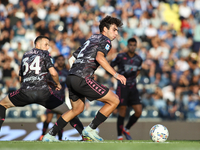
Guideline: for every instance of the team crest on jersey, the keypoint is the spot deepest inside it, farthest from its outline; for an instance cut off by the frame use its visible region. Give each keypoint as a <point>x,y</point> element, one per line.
<point>107,47</point>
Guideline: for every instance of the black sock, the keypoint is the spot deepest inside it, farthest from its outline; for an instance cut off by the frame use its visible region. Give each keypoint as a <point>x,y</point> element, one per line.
<point>59,125</point>
<point>60,133</point>
<point>132,120</point>
<point>120,124</point>
<point>2,114</point>
<point>76,123</point>
<point>97,120</point>
<point>45,126</point>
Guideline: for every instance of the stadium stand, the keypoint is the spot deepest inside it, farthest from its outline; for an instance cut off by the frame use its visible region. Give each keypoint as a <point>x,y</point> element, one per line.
<point>168,35</point>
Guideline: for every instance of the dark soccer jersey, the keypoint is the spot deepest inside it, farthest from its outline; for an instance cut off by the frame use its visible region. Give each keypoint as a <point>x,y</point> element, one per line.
<point>34,68</point>
<point>62,79</point>
<point>86,63</point>
<point>128,66</point>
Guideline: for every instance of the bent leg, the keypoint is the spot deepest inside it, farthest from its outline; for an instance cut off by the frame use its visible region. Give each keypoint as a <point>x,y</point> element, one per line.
<point>61,109</point>
<point>4,104</point>
<point>133,119</point>
<point>77,108</point>
<point>60,132</point>
<point>120,120</point>
<point>49,117</point>
<point>77,124</point>
<point>111,101</point>
<point>46,122</point>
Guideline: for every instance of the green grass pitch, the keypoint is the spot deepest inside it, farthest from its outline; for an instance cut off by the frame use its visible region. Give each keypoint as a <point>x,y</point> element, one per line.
<point>106,145</point>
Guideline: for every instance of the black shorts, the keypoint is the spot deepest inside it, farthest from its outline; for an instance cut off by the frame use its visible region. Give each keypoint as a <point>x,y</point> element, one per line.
<point>44,97</point>
<point>79,88</point>
<point>49,111</point>
<point>128,95</point>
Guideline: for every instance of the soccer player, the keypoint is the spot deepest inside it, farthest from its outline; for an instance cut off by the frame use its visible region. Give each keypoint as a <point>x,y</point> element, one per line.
<point>35,66</point>
<point>129,65</point>
<point>62,72</point>
<point>80,83</point>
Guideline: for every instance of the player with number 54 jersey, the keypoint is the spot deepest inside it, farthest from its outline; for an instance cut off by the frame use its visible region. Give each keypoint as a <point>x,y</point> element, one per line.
<point>35,66</point>
<point>34,69</point>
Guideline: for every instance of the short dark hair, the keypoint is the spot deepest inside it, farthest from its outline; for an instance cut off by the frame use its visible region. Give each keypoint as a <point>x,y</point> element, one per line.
<point>132,40</point>
<point>107,21</point>
<point>39,38</point>
<point>59,56</point>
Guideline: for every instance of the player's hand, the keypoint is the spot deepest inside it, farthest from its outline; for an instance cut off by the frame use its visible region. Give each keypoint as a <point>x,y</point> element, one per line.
<point>121,78</point>
<point>58,87</point>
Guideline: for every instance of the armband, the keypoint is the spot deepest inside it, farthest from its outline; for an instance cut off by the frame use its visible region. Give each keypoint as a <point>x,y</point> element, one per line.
<point>116,74</point>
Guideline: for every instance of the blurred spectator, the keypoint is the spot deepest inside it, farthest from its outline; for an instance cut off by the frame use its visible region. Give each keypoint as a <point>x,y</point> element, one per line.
<point>53,50</point>
<point>150,32</point>
<point>137,10</point>
<point>12,16</point>
<point>4,37</point>
<point>73,9</point>
<point>9,75</point>
<point>196,38</point>
<point>184,10</point>
<point>107,8</point>
<point>159,103</point>
<point>169,39</point>
<point>19,32</point>
<point>42,28</point>
<point>27,22</point>
<point>18,53</point>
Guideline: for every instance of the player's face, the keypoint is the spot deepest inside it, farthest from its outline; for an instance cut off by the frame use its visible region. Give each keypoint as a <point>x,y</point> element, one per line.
<point>60,61</point>
<point>112,32</point>
<point>44,44</point>
<point>132,46</point>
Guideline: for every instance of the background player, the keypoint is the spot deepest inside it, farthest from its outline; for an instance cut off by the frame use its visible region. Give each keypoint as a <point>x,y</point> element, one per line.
<point>80,84</point>
<point>35,66</point>
<point>129,65</point>
<point>62,72</point>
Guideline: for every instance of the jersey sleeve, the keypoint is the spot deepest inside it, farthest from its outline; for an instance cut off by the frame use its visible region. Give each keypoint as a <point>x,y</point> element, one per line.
<point>20,70</point>
<point>140,66</point>
<point>75,54</point>
<point>48,60</point>
<point>115,61</point>
<point>104,46</point>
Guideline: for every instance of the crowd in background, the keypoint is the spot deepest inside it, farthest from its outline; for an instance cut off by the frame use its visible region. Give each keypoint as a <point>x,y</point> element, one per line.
<point>167,32</point>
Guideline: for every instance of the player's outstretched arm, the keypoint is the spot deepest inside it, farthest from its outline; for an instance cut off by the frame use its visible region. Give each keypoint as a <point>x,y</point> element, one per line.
<point>55,77</point>
<point>104,63</point>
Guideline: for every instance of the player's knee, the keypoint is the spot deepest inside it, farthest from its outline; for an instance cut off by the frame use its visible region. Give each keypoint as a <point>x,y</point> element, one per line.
<point>77,111</point>
<point>138,114</point>
<point>116,101</point>
<point>5,102</point>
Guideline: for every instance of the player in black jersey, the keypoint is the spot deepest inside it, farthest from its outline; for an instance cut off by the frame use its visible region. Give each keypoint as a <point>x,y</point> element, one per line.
<point>80,83</point>
<point>129,65</point>
<point>62,72</point>
<point>35,66</point>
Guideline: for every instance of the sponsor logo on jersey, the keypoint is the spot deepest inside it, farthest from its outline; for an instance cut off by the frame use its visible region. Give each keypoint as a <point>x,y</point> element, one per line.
<point>130,67</point>
<point>107,47</point>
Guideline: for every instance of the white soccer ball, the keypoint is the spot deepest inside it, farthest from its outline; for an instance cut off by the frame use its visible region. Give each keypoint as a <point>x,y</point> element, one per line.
<point>159,133</point>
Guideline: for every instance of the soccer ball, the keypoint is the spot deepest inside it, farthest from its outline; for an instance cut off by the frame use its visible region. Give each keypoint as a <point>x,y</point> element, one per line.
<point>159,133</point>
